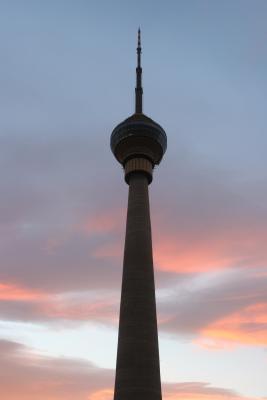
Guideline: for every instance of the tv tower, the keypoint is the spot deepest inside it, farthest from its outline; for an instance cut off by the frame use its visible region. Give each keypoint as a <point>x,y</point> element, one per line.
<point>138,143</point>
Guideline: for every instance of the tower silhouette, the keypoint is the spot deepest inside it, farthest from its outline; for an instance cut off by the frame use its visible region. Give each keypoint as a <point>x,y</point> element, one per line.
<point>138,143</point>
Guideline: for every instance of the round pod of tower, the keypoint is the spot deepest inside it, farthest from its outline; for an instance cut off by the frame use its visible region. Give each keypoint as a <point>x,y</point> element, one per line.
<point>141,139</point>
<point>138,143</point>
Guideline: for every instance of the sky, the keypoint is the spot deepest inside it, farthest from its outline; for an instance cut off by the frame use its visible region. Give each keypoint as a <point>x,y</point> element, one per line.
<point>67,77</point>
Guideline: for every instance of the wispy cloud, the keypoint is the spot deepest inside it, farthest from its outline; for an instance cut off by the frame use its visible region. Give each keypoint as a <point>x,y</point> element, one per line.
<point>37,375</point>
<point>226,307</point>
<point>199,391</point>
<point>42,377</point>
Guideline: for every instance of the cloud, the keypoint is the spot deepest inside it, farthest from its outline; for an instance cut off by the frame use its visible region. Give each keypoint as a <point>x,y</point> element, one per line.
<point>62,231</point>
<point>40,376</point>
<point>248,326</point>
<point>208,219</point>
<point>22,304</point>
<point>41,262</point>
<point>63,219</point>
<point>11,292</point>
<point>43,377</point>
<point>198,391</point>
<point>54,210</point>
<point>62,191</point>
<point>229,306</point>
<point>215,309</point>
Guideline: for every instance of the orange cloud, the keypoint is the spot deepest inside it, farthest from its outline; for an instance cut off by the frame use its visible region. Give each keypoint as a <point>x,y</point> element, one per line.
<point>104,222</point>
<point>13,292</point>
<point>170,255</point>
<point>103,394</point>
<point>248,326</point>
<point>28,304</point>
<point>29,375</point>
<point>41,377</point>
<point>80,310</point>
<point>198,391</point>
<point>199,396</point>
<point>114,250</point>
<point>203,251</point>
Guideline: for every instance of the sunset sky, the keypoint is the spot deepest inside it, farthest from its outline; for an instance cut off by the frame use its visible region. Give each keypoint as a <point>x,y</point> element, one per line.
<point>67,77</point>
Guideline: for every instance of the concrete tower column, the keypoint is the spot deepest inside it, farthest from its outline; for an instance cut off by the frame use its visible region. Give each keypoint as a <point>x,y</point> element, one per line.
<point>138,371</point>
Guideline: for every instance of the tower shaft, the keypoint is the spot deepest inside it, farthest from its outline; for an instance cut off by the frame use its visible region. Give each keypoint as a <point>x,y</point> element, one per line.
<point>137,370</point>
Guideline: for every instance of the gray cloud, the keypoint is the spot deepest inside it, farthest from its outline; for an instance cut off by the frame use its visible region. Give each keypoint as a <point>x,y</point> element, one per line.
<point>186,305</point>
<point>203,208</point>
<point>198,388</point>
<point>56,170</point>
<point>61,310</point>
<point>38,375</point>
<point>192,306</point>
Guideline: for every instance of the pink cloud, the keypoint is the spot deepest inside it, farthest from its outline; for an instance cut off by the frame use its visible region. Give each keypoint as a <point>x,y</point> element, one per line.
<point>199,391</point>
<point>104,311</point>
<point>247,326</point>
<point>12,292</point>
<point>29,375</point>
<point>109,250</point>
<point>27,304</point>
<point>218,310</point>
<point>189,253</point>
<point>37,376</point>
<point>105,221</point>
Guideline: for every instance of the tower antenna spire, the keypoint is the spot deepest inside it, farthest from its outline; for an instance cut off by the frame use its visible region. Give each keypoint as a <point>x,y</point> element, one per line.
<point>139,89</point>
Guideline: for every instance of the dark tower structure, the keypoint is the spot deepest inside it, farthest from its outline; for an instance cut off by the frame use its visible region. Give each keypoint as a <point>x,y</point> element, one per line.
<point>138,143</point>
